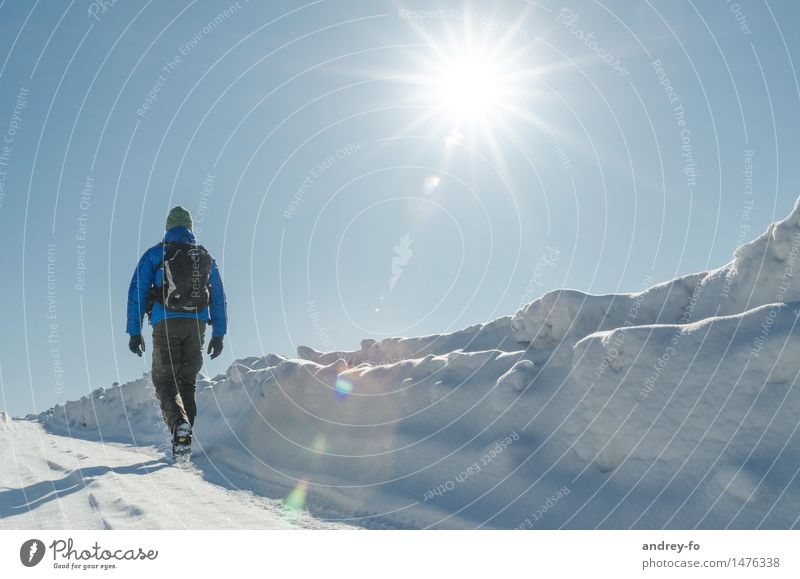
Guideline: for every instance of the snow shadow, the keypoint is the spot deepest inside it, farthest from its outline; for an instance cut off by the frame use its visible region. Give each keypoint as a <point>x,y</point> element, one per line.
<point>16,501</point>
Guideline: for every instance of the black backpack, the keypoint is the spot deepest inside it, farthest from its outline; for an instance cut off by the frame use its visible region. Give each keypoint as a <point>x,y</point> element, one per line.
<point>186,271</point>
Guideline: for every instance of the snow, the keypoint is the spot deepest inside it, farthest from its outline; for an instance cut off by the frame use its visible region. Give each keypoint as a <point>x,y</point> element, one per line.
<point>673,407</point>
<point>58,482</point>
<point>760,273</point>
<point>660,401</point>
<point>519,376</point>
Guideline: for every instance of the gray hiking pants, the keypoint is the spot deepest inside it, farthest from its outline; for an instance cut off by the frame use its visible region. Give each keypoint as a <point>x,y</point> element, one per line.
<point>177,358</point>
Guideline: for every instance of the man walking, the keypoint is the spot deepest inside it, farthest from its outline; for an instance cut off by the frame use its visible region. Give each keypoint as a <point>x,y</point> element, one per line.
<point>178,285</point>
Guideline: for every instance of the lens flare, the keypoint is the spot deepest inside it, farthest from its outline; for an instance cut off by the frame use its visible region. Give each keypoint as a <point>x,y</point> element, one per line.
<point>430,184</point>
<point>453,139</point>
<point>342,388</point>
<point>297,498</point>
<point>320,444</point>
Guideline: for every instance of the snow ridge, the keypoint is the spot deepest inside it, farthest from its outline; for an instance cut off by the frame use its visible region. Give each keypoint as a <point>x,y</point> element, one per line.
<point>760,273</point>
<point>673,407</point>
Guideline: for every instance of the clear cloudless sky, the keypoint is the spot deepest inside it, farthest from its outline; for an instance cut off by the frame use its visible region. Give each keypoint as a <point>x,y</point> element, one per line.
<point>362,169</point>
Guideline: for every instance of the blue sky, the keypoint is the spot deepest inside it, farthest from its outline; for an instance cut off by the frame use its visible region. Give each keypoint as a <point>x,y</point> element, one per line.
<point>348,186</point>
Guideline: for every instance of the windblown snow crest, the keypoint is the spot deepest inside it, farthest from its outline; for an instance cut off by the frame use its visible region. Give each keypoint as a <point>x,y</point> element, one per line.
<point>760,273</point>
<point>675,407</point>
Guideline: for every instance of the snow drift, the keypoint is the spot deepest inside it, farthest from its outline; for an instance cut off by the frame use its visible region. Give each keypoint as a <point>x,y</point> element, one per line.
<point>760,273</point>
<point>675,407</point>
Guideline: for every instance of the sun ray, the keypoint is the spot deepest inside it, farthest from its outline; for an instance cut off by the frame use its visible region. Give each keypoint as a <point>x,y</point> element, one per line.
<point>478,87</point>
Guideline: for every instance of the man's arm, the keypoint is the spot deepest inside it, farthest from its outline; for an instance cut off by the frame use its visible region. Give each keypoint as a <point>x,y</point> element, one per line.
<point>218,309</point>
<point>143,278</point>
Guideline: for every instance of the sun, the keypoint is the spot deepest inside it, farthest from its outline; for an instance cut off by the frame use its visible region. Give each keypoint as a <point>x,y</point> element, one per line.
<point>467,87</point>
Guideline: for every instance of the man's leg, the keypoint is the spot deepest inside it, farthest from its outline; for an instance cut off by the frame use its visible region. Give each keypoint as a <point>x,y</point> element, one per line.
<point>191,362</point>
<point>167,352</point>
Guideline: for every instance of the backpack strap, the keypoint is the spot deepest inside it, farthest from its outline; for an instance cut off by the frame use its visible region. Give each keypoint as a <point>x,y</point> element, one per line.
<point>153,293</point>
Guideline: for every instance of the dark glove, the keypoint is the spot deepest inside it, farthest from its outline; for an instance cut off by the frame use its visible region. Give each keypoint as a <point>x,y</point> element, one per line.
<point>215,346</point>
<point>136,344</point>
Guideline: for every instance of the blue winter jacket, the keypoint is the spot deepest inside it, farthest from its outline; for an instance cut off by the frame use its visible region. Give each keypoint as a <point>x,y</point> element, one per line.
<point>148,274</point>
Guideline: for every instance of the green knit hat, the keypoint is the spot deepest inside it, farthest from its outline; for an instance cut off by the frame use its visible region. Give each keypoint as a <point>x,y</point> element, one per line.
<point>179,217</point>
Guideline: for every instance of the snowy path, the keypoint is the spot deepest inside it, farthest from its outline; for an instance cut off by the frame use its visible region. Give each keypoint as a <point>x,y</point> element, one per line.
<point>55,482</point>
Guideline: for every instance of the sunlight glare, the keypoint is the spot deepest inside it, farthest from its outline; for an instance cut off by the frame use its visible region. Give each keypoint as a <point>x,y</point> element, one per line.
<point>467,87</point>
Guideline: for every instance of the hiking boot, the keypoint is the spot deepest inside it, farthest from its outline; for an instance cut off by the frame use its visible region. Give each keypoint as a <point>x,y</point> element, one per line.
<point>183,433</point>
<point>182,441</point>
